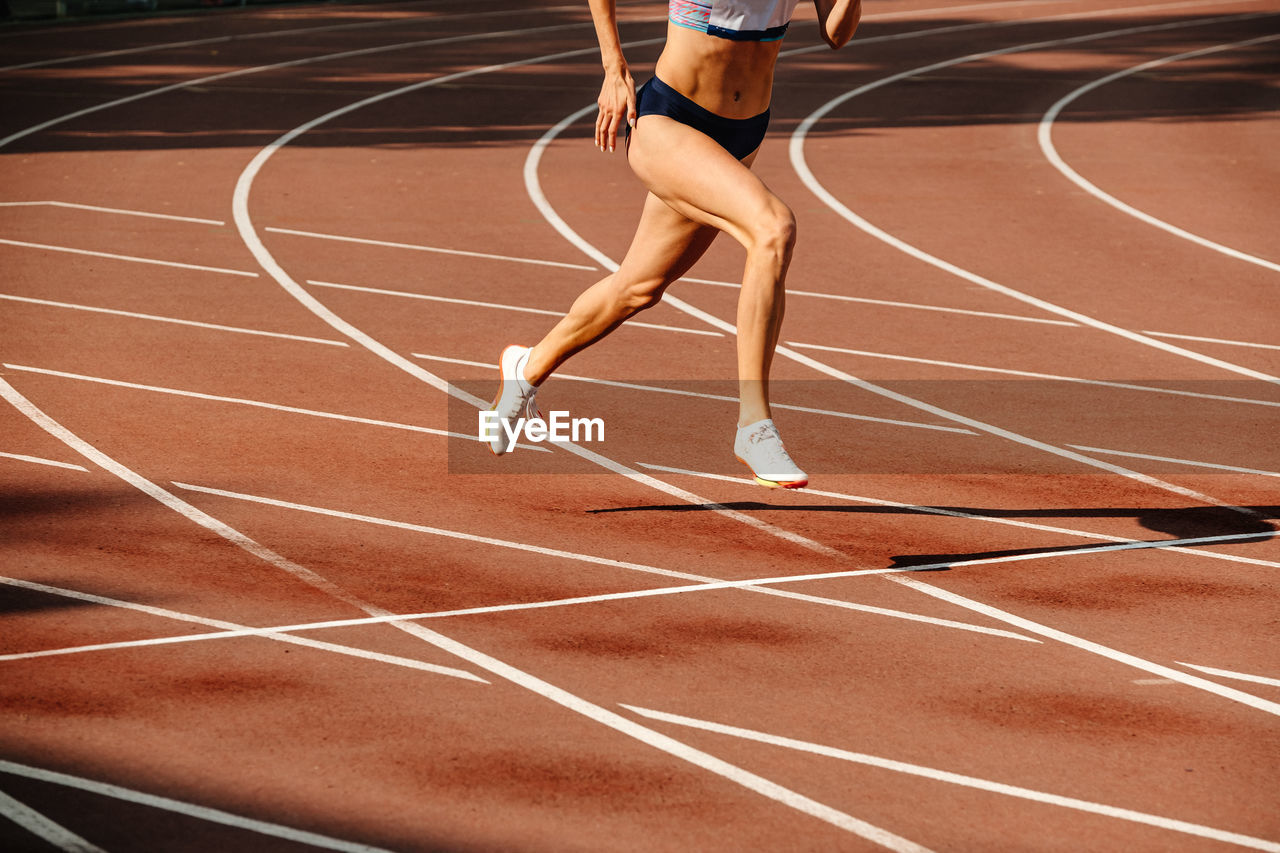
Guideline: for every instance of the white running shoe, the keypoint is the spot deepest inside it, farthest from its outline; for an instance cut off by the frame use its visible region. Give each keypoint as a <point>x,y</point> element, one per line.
<point>515,398</point>
<point>759,447</point>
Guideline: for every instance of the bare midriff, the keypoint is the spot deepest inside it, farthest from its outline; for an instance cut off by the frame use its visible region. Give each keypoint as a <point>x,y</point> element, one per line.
<point>733,79</point>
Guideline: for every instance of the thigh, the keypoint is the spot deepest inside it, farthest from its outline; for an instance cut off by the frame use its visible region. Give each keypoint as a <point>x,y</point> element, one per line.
<point>699,179</point>
<point>666,244</point>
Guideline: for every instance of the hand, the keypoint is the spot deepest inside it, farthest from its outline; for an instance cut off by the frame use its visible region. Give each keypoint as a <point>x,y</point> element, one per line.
<point>617,104</point>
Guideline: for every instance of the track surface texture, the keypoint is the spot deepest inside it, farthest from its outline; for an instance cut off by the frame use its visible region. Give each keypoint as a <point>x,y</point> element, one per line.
<point>258,267</point>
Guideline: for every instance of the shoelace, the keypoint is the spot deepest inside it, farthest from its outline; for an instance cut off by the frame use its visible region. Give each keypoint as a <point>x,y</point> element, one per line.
<point>771,443</point>
<point>530,408</point>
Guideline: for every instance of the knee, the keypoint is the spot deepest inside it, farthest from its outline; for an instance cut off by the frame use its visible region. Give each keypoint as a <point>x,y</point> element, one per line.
<point>774,231</point>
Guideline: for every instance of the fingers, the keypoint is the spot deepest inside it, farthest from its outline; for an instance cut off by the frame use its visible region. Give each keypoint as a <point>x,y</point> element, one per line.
<point>617,104</point>
<point>611,132</point>
<point>607,125</point>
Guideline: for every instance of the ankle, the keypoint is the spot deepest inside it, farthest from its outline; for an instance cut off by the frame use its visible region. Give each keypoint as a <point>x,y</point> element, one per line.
<point>525,371</point>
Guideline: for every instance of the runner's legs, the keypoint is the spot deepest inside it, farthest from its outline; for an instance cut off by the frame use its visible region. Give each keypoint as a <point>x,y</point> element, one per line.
<point>696,189</point>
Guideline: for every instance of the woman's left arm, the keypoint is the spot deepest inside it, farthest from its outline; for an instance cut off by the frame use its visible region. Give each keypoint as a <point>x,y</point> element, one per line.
<point>838,19</point>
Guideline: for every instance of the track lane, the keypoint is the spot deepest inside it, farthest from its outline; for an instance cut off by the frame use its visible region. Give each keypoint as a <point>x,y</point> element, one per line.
<point>284,535</point>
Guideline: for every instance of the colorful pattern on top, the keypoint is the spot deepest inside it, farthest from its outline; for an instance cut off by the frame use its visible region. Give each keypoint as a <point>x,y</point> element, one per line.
<point>739,20</point>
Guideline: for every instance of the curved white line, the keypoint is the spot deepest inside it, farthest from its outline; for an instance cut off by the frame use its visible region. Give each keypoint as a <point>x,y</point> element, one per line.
<point>534,188</point>
<point>296,31</point>
<point>628,727</point>
<point>248,233</point>
<point>751,781</point>
<point>1044,134</point>
<point>63,60</point>
<point>570,701</point>
<point>293,63</point>
<point>806,175</point>
<point>952,29</point>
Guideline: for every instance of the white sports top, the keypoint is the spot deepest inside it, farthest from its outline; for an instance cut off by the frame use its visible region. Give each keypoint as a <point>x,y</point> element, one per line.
<point>739,20</point>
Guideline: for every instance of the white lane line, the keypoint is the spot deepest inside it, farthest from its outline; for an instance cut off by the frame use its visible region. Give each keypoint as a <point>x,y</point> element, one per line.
<point>801,166</point>
<point>199,517</point>
<point>350,651</point>
<point>42,827</point>
<point>116,210</point>
<point>1089,646</point>
<point>720,397</point>
<point>132,258</point>
<point>244,223</point>
<point>249,234</point>
<point>1205,340</point>
<point>273,33</point>
<point>1191,462</point>
<point>274,631</point>
<point>157,318</point>
<point>535,193</point>
<point>863,41</point>
<point>565,699</point>
<point>418,248</point>
<point>974,516</point>
<point>1239,676</point>
<point>549,691</point>
<point>918,306</point>
<point>293,63</point>
<point>969,7</point>
<point>239,401</point>
<point>39,461</point>
<point>534,189</point>
<point>706,582</point>
<point>888,303</point>
<point>218,816</point>
<point>558,695</point>
<point>1128,386</point>
<point>709,585</point>
<point>1044,135</point>
<point>498,306</point>
<point>973,782</point>
<point>677,749</point>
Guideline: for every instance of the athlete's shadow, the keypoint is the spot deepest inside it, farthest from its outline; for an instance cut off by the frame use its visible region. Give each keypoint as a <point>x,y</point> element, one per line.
<point>1184,523</point>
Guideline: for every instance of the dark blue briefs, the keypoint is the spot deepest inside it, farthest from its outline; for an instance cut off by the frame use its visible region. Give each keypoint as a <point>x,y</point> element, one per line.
<point>738,136</point>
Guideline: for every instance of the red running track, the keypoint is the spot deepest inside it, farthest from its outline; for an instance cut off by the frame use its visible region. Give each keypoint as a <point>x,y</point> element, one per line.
<point>1030,361</point>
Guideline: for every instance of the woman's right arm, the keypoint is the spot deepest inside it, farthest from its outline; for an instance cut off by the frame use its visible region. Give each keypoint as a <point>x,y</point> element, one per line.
<point>617,99</point>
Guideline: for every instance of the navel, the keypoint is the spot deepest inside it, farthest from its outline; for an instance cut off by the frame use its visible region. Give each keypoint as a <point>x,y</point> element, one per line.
<point>736,96</point>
